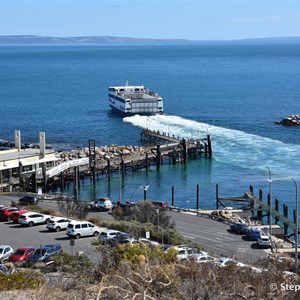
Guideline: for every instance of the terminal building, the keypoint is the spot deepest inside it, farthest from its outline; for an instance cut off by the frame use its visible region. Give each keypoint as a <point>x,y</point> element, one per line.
<point>21,169</point>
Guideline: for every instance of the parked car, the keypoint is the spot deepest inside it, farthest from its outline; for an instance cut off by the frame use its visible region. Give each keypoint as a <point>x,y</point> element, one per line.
<point>78,229</point>
<point>126,206</point>
<point>45,252</point>
<point>15,215</point>
<point>5,252</point>
<point>21,254</point>
<point>240,228</point>
<point>147,242</point>
<point>204,259</point>
<point>264,241</point>
<point>122,238</point>
<point>5,214</point>
<point>106,235</point>
<point>57,224</point>
<point>253,234</point>
<point>32,218</point>
<point>189,253</point>
<point>160,204</point>
<point>28,200</point>
<point>226,261</point>
<point>103,204</point>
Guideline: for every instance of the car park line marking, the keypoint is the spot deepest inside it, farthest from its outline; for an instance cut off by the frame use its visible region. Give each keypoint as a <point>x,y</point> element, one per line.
<point>206,238</point>
<point>207,231</point>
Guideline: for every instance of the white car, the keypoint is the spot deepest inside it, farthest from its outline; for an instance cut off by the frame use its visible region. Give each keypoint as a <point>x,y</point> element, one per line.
<point>189,253</point>
<point>33,218</point>
<point>5,252</point>
<point>264,241</point>
<point>204,259</point>
<point>107,235</point>
<point>57,224</point>
<point>225,261</point>
<point>103,204</point>
<point>78,229</point>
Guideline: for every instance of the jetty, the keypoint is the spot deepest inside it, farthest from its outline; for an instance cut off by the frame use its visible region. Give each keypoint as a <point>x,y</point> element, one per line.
<point>259,210</point>
<point>159,148</point>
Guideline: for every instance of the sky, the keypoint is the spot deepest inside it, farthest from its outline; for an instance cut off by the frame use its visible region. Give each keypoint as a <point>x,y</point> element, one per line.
<point>179,19</point>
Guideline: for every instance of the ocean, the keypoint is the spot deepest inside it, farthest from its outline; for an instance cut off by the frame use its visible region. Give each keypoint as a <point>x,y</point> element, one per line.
<point>234,92</point>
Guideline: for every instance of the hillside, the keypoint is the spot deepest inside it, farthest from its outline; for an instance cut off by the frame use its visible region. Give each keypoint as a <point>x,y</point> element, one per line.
<point>34,39</point>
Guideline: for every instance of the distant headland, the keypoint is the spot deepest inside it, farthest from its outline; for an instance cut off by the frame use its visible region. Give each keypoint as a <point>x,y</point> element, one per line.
<point>85,40</point>
<point>102,40</point>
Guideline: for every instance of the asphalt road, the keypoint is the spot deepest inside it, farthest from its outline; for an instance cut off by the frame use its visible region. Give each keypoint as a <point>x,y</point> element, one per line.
<point>216,237</point>
<point>213,235</point>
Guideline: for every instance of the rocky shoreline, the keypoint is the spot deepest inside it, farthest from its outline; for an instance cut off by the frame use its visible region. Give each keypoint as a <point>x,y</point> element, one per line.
<point>292,120</point>
<point>104,153</point>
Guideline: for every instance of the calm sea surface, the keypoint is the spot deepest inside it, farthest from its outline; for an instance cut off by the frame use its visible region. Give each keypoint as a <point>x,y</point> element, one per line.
<point>234,92</point>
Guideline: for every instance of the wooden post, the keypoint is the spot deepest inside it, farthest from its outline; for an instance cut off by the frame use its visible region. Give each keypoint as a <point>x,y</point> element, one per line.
<point>62,184</point>
<point>217,196</point>
<point>174,156</point>
<point>158,157</point>
<point>147,162</point>
<point>259,212</point>
<point>277,209</point>
<point>184,152</point>
<point>209,146</point>
<point>75,183</point>
<point>172,195</point>
<point>123,169</point>
<point>197,203</point>
<point>269,215</point>
<point>108,169</point>
<point>285,214</point>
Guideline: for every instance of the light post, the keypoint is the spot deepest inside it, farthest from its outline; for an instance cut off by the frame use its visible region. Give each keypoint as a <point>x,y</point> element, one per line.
<point>270,205</point>
<point>296,217</point>
<point>145,188</point>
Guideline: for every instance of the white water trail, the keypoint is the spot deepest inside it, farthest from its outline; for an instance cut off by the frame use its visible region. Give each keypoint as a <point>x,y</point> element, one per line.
<point>230,146</point>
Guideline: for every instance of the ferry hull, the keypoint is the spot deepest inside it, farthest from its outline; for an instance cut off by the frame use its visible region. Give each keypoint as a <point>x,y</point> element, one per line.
<point>124,114</point>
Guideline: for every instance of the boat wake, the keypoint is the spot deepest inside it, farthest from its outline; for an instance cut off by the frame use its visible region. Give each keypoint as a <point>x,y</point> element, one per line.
<point>230,146</point>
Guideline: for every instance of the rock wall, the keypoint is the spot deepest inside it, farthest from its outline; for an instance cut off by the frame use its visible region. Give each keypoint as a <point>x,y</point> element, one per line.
<point>293,120</point>
<point>111,152</point>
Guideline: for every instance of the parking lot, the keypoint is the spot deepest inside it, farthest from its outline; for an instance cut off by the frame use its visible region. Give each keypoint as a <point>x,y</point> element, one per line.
<point>16,235</point>
<point>214,236</point>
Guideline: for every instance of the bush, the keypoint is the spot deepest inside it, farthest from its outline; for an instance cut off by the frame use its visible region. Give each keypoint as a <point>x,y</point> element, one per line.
<point>70,263</point>
<point>21,280</point>
<point>141,253</point>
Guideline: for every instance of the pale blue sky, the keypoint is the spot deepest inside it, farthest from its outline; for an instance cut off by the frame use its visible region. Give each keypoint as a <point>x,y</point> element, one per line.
<point>187,19</point>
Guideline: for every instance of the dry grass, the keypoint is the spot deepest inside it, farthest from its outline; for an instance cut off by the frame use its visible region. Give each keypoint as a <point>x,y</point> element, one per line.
<point>154,281</point>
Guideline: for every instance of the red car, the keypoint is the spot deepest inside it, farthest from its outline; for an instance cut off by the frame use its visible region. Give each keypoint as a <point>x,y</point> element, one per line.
<point>6,213</point>
<point>15,215</point>
<point>21,254</point>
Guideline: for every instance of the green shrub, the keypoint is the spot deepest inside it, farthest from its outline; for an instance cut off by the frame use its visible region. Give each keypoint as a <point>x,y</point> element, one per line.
<point>70,263</point>
<point>138,253</point>
<point>21,280</point>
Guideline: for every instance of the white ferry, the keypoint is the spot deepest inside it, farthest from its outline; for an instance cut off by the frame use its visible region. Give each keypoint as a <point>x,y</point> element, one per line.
<point>130,100</point>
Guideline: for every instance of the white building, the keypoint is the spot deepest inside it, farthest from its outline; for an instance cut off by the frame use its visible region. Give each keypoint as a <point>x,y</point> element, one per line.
<point>17,163</point>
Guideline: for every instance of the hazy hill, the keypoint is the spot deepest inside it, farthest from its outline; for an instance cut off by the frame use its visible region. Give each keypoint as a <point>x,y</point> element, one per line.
<point>34,39</point>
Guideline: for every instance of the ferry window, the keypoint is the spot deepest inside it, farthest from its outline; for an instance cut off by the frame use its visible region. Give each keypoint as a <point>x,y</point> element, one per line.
<point>121,90</point>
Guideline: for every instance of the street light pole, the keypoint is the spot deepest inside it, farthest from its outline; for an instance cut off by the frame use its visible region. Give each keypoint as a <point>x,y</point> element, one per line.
<point>296,216</point>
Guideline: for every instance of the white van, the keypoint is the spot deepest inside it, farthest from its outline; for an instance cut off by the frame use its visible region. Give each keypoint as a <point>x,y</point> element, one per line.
<point>77,229</point>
